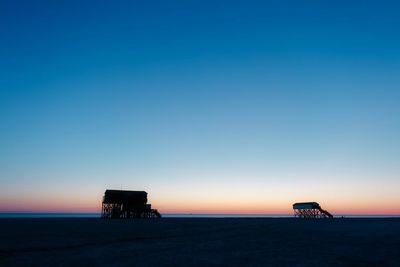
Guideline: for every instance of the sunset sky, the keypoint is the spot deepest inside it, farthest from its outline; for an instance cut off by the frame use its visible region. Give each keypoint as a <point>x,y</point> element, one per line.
<point>209,106</point>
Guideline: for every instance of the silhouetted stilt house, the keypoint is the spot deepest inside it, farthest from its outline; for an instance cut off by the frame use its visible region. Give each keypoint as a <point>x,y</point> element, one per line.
<point>310,210</point>
<point>127,204</point>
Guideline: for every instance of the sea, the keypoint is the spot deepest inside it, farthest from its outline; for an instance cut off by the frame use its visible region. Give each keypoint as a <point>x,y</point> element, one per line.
<point>173,215</point>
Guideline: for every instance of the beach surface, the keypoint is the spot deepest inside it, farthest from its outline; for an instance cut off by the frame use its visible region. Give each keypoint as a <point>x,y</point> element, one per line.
<point>200,242</point>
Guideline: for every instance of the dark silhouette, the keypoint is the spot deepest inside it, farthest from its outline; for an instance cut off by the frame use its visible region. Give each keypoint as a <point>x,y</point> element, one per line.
<point>310,210</point>
<point>127,204</point>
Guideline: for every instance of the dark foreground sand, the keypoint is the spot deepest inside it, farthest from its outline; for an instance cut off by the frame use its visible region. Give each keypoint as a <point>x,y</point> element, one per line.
<point>200,242</point>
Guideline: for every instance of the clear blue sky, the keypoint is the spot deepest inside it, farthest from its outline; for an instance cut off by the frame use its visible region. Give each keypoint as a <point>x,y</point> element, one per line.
<point>272,101</point>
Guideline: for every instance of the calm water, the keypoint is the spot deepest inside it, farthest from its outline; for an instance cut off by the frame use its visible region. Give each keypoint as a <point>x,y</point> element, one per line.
<point>97,215</point>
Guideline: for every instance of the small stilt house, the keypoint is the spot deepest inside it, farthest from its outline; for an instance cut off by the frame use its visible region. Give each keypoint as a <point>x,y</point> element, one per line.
<point>310,210</point>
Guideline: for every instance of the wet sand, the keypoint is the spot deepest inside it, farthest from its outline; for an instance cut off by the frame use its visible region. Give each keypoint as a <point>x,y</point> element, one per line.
<point>200,242</point>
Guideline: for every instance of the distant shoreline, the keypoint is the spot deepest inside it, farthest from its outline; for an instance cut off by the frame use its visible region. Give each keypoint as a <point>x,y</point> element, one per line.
<point>173,215</point>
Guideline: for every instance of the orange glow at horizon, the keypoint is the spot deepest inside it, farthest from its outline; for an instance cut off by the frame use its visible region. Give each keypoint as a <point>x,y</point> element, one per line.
<point>233,207</point>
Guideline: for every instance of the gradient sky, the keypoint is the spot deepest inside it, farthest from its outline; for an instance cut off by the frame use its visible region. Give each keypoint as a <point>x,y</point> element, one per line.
<point>209,106</point>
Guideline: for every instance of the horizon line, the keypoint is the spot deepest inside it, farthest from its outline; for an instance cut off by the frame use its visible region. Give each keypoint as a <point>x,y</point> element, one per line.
<point>195,213</point>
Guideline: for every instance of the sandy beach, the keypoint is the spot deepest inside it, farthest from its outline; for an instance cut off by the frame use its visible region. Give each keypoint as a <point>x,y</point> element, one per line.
<point>200,242</point>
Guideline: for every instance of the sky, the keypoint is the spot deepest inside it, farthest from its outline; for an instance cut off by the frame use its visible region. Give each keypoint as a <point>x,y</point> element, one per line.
<point>209,106</point>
